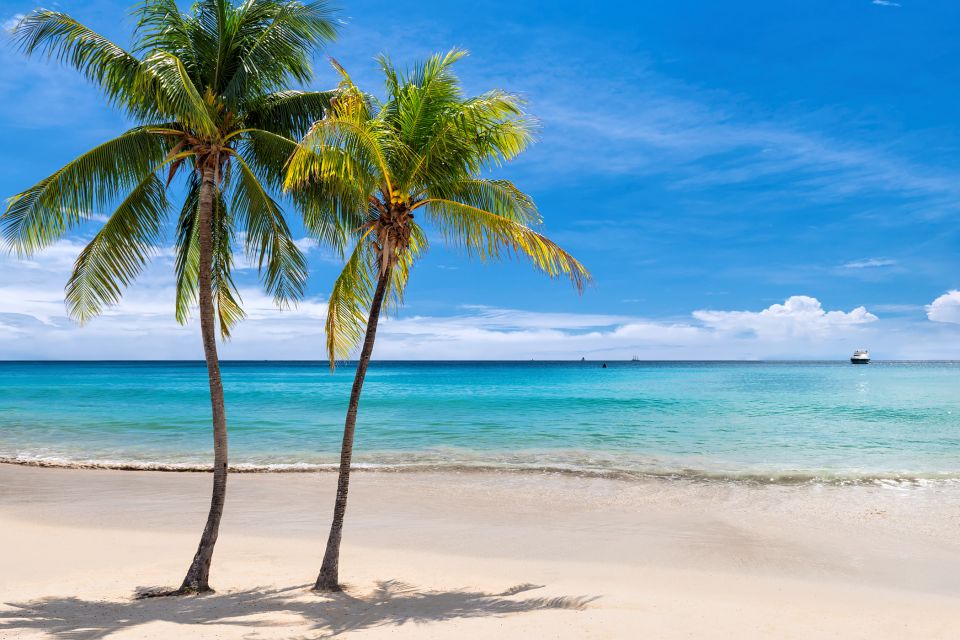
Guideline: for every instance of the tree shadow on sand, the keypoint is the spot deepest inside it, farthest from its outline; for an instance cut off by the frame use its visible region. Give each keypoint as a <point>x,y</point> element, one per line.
<point>391,603</point>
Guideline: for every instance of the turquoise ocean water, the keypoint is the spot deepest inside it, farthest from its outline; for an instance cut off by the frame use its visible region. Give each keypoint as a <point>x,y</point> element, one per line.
<point>835,422</point>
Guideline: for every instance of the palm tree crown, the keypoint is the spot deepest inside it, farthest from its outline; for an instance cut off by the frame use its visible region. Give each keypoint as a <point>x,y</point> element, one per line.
<point>420,153</point>
<point>208,91</point>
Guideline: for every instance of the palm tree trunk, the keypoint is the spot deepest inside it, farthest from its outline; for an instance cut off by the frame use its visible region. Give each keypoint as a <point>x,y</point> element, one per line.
<point>329,579</point>
<point>198,575</point>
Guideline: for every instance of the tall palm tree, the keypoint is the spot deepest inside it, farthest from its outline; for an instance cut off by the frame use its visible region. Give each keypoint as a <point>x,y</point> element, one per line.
<point>208,91</point>
<point>420,153</point>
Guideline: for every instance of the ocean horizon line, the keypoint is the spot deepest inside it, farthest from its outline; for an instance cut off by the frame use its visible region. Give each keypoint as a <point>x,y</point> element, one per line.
<point>493,360</point>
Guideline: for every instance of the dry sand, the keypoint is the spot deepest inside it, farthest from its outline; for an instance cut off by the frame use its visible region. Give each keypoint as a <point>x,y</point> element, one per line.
<point>431,555</point>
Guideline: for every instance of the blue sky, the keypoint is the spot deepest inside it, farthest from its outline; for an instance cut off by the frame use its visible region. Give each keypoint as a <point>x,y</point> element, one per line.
<point>740,177</point>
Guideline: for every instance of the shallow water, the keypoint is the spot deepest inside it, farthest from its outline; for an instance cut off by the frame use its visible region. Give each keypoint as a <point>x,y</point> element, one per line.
<point>827,421</point>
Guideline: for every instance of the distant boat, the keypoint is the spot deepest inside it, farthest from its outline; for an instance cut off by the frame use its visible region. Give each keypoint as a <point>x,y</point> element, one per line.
<point>860,356</point>
<point>635,359</point>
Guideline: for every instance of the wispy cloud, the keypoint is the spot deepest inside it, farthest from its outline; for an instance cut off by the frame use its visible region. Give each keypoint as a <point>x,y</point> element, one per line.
<point>10,23</point>
<point>307,244</point>
<point>886,3</point>
<point>698,144</point>
<point>695,138</point>
<point>869,263</point>
<point>897,308</point>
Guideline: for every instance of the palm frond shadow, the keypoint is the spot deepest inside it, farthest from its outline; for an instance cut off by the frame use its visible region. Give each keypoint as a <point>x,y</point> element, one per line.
<point>391,603</point>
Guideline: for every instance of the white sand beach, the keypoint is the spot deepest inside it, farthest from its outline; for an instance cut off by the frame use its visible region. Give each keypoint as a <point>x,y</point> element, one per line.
<point>478,555</point>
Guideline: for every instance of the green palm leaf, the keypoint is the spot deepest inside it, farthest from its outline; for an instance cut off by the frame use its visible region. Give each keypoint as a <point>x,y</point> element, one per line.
<point>165,79</point>
<point>187,252</point>
<point>268,240</point>
<point>42,214</point>
<point>119,251</point>
<point>271,33</point>
<point>349,299</point>
<point>229,304</point>
<point>290,113</point>
<point>486,235</point>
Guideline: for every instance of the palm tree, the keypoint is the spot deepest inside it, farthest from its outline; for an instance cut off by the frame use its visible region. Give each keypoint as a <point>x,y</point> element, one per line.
<point>421,152</point>
<point>208,91</point>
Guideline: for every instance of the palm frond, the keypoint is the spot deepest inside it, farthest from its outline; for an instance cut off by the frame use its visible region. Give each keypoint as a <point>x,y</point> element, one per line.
<point>325,217</point>
<point>43,213</point>
<point>349,299</point>
<point>468,137</point>
<point>187,251</point>
<point>160,25</point>
<point>276,41</point>
<point>418,95</point>
<point>289,113</point>
<point>166,80</point>
<point>118,252</point>
<point>229,303</point>
<point>187,262</point>
<point>500,197</point>
<point>486,235</point>
<point>282,265</point>
<point>268,154</point>
<point>340,152</point>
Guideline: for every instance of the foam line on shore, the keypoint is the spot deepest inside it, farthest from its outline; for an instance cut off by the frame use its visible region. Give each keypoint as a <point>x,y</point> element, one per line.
<point>690,475</point>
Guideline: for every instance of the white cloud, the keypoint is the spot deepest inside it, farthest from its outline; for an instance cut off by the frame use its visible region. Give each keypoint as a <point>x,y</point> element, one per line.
<point>33,324</point>
<point>13,21</point>
<point>946,308</point>
<point>311,247</point>
<point>869,263</point>
<point>513,319</point>
<point>799,316</point>
<point>886,3</point>
<point>306,244</point>
<point>799,328</point>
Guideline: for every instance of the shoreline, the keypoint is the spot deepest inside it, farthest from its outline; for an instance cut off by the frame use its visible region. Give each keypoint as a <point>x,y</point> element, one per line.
<point>450,555</point>
<point>752,477</point>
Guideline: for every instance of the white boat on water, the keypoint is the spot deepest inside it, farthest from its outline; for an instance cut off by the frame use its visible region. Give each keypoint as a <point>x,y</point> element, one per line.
<point>860,356</point>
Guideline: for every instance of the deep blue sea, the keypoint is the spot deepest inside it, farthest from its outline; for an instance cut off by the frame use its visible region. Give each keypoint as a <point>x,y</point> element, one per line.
<point>797,421</point>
